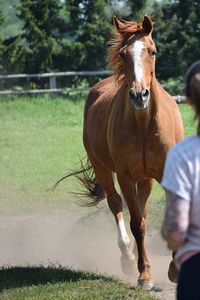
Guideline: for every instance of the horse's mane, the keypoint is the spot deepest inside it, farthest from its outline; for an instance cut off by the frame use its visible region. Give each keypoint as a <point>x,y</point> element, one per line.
<point>118,40</point>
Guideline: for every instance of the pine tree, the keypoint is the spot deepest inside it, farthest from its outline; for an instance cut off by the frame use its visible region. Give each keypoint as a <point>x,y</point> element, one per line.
<point>88,30</point>
<point>189,36</point>
<point>42,23</point>
<point>138,9</point>
<point>177,35</point>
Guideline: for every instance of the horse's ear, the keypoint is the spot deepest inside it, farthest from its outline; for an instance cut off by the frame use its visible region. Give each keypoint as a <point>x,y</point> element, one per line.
<point>147,25</point>
<point>118,23</point>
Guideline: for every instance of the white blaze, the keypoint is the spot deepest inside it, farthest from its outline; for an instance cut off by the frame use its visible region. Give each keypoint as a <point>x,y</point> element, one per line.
<point>137,59</point>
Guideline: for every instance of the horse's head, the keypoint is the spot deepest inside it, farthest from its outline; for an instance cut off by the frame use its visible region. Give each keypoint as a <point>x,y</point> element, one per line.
<point>137,58</point>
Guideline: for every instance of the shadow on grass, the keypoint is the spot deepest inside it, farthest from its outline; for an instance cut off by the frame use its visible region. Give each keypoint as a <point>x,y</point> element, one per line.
<point>13,277</point>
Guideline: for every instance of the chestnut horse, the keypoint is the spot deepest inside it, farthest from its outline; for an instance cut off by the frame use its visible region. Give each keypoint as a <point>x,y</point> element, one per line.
<point>130,122</point>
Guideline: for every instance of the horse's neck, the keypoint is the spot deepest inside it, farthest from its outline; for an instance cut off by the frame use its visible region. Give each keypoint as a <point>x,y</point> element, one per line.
<point>156,92</point>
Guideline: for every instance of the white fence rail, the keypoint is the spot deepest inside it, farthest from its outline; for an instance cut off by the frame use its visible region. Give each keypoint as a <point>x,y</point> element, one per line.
<point>179,99</point>
<point>53,83</point>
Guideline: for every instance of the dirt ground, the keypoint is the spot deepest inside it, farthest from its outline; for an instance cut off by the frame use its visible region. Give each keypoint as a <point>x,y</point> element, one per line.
<point>84,239</point>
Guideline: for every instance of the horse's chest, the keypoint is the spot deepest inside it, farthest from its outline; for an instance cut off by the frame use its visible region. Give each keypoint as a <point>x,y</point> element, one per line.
<point>144,155</point>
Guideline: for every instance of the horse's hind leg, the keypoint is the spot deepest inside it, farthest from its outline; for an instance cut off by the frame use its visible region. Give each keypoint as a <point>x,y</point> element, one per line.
<point>104,177</point>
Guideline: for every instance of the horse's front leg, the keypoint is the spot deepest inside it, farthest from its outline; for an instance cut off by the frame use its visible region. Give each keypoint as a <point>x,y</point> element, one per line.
<point>136,197</point>
<point>124,243</point>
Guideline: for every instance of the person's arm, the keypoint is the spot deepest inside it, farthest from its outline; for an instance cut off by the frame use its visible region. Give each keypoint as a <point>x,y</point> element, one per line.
<point>176,219</point>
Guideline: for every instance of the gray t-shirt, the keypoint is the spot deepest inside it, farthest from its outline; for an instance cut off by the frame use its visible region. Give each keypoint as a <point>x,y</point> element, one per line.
<point>182,177</point>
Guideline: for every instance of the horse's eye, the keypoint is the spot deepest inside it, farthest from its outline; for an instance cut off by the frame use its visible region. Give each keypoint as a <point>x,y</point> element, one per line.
<point>152,53</point>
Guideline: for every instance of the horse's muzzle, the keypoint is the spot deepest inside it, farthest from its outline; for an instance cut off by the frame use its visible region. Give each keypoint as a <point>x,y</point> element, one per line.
<point>139,100</point>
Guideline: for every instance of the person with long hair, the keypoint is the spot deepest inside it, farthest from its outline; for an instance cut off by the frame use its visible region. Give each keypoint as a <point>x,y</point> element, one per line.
<point>181,181</point>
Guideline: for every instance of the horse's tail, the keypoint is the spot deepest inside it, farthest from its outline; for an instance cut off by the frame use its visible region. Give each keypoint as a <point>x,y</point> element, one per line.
<point>86,176</point>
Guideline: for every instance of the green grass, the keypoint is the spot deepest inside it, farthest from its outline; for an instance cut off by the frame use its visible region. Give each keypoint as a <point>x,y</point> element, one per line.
<point>39,283</point>
<point>41,140</point>
<point>188,119</point>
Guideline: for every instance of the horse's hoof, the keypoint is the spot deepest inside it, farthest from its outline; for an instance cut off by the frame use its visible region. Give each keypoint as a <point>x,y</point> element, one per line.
<point>146,284</point>
<point>128,265</point>
<point>173,272</point>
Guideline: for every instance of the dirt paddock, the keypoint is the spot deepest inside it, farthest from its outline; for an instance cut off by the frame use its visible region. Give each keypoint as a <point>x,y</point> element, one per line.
<point>84,239</point>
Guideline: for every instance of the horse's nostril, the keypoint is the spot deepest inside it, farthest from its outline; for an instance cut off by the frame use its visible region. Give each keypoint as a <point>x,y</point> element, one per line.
<point>145,93</point>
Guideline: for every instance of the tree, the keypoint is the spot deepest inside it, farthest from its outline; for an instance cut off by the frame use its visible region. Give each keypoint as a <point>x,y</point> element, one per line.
<point>11,52</point>
<point>138,9</point>
<point>189,17</point>
<point>41,29</point>
<point>177,35</point>
<point>129,9</point>
<point>88,30</point>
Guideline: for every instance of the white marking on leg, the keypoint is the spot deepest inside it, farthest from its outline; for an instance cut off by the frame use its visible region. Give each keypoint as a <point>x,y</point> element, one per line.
<point>138,46</point>
<point>124,242</point>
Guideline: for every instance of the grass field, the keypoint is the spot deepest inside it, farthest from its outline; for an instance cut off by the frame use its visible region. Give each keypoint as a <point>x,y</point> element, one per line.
<point>40,140</point>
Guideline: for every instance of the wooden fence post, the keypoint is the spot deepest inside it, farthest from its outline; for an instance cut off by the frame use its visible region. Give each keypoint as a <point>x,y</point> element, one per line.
<point>52,85</point>
<point>52,82</point>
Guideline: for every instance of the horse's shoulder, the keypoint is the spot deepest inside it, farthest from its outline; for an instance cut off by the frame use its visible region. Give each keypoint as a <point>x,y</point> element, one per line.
<point>104,84</point>
<point>103,90</point>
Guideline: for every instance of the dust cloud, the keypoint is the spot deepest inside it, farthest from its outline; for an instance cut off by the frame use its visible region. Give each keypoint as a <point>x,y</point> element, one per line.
<point>80,238</point>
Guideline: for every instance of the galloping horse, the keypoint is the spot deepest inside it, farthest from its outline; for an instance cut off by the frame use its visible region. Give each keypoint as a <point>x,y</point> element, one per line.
<point>130,123</point>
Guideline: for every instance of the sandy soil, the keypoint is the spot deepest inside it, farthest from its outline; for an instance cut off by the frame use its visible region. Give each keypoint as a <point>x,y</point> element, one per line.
<point>81,238</point>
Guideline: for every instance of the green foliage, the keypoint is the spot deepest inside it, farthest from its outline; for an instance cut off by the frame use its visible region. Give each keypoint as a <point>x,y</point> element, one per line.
<point>174,85</point>
<point>88,31</point>
<point>138,9</point>
<point>177,34</point>
<point>42,23</point>
<point>13,55</point>
<point>130,10</point>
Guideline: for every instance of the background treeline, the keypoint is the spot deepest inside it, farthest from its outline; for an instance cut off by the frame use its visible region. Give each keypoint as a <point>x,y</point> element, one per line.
<point>71,35</point>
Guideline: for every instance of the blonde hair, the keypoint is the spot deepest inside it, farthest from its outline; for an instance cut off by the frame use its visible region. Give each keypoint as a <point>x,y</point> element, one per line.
<point>192,89</point>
